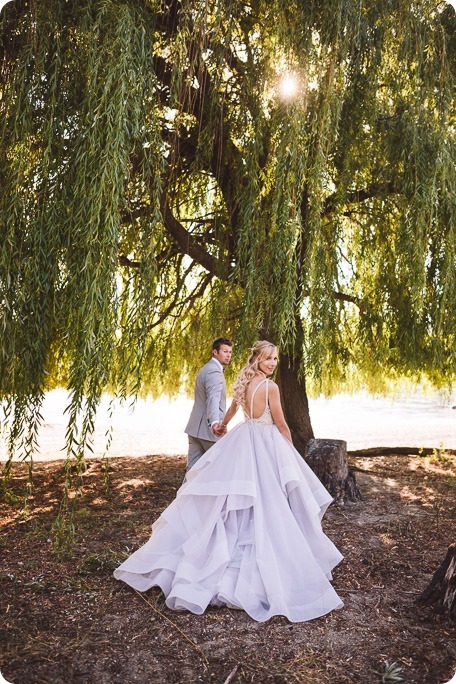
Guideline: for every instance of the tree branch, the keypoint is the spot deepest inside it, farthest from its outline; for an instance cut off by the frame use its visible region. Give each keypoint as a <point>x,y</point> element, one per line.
<point>348,298</point>
<point>357,196</point>
<point>196,294</point>
<point>187,242</point>
<point>125,261</point>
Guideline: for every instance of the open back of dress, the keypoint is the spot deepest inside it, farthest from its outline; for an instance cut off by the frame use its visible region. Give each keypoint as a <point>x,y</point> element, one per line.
<point>265,418</point>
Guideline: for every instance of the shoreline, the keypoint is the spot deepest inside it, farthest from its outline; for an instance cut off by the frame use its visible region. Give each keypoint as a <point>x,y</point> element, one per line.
<point>367,452</point>
<point>157,426</point>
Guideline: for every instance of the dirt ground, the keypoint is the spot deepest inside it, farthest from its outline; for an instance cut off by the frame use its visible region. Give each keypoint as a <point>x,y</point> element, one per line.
<point>65,621</point>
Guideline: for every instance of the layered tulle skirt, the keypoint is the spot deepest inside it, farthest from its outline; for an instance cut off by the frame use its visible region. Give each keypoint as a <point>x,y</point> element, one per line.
<point>244,530</point>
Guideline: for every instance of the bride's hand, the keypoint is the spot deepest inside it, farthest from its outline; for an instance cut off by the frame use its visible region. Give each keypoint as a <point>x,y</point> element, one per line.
<point>219,429</point>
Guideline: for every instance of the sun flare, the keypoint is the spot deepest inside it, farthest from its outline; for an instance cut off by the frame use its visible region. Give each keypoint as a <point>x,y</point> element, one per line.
<point>288,86</point>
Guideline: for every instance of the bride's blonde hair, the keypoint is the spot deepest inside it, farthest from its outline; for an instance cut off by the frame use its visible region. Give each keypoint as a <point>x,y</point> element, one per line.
<point>260,352</point>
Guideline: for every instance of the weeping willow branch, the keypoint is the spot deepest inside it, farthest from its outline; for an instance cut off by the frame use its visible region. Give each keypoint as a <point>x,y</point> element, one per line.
<point>178,305</point>
<point>125,261</point>
<point>187,243</point>
<point>137,135</point>
<point>341,296</point>
<point>374,191</point>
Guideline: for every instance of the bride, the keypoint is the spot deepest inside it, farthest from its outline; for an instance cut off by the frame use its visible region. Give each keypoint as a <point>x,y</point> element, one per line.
<point>244,530</point>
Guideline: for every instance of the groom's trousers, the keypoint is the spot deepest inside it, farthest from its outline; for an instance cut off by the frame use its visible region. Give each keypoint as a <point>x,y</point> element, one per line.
<point>196,448</point>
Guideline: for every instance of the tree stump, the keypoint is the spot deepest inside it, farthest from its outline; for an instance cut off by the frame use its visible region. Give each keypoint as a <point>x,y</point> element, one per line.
<point>328,460</point>
<point>441,592</point>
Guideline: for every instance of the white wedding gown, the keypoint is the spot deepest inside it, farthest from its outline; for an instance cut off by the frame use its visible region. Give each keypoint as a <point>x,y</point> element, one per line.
<point>245,531</point>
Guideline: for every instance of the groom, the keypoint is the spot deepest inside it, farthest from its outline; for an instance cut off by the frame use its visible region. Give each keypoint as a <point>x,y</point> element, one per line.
<point>203,428</point>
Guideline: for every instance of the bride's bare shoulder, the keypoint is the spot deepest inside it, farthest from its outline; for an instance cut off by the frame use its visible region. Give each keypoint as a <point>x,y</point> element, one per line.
<point>252,385</point>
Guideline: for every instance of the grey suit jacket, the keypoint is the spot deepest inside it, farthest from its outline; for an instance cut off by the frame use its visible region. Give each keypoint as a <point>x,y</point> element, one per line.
<point>210,401</point>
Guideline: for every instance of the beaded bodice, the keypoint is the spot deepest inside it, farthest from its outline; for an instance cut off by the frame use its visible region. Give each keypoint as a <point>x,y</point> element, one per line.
<point>266,417</point>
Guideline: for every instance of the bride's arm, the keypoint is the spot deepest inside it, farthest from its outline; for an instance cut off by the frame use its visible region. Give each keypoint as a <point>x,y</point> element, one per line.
<point>277,412</point>
<point>229,414</point>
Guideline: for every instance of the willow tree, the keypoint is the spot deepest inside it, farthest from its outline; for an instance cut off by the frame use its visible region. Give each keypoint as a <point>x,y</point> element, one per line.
<point>158,189</point>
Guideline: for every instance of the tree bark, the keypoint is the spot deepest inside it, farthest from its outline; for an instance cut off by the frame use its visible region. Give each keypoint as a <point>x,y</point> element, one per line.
<point>441,591</point>
<point>294,401</point>
<point>328,460</point>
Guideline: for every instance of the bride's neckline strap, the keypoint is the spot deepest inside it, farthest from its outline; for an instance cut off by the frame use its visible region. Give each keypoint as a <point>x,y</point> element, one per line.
<point>253,395</point>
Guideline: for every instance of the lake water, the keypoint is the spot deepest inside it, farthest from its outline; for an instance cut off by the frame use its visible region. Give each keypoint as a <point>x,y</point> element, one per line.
<point>157,427</point>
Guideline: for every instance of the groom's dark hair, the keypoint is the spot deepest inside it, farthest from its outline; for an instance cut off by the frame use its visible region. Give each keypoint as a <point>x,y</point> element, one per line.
<point>219,341</point>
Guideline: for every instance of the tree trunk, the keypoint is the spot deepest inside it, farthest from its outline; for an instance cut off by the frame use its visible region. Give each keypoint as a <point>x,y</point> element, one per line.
<point>441,592</point>
<point>328,460</point>
<point>294,401</point>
